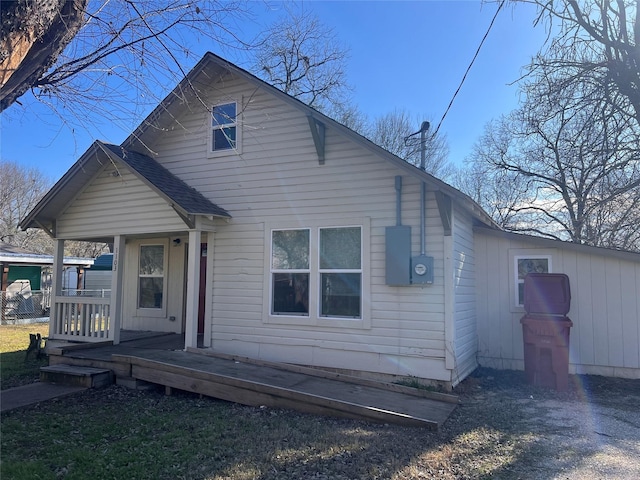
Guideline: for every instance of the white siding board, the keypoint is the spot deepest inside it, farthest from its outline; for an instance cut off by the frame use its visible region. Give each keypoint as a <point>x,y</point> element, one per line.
<point>605,336</point>
<point>121,205</point>
<point>630,315</point>
<point>277,178</point>
<point>466,339</point>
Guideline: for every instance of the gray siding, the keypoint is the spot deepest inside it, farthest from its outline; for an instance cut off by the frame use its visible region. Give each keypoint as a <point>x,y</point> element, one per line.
<point>605,306</point>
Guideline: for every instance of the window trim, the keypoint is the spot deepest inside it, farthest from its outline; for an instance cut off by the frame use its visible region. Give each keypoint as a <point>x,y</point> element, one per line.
<point>211,128</point>
<point>314,318</point>
<point>148,311</point>
<point>340,270</point>
<point>516,279</point>
<point>273,271</point>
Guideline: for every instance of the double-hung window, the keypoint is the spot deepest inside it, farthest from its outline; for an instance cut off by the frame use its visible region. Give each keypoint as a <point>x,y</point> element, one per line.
<point>290,272</point>
<point>224,124</point>
<point>340,271</point>
<point>151,276</point>
<point>317,272</point>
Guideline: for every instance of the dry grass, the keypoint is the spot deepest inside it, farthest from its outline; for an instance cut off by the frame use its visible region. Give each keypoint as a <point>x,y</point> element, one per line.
<point>503,429</point>
<point>14,341</point>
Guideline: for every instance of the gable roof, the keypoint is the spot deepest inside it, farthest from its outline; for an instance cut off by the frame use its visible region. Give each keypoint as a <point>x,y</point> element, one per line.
<point>185,200</point>
<point>213,67</point>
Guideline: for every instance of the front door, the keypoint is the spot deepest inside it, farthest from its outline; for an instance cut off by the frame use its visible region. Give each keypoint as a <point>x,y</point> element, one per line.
<point>203,284</point>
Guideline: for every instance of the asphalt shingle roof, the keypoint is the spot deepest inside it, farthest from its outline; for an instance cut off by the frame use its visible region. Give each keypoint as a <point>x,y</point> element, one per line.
<point>184,196</point>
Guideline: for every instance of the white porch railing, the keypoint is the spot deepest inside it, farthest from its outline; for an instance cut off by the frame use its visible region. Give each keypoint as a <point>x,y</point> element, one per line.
<point>78,318</point>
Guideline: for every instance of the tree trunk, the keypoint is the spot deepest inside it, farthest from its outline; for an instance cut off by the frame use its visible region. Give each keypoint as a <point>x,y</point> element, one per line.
<point>34,33</point>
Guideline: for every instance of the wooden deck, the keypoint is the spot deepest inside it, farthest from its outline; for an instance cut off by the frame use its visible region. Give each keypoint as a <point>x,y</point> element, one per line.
<point>162,360</point>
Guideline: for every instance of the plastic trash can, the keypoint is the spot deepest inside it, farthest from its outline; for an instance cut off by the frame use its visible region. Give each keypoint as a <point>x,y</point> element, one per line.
<point>545,329</point>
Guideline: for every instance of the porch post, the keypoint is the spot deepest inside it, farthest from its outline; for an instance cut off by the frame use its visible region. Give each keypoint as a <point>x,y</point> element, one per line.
<point>56,287</point>
<point>193,286</point>
<point>208,301</point>
<point>117,276</point>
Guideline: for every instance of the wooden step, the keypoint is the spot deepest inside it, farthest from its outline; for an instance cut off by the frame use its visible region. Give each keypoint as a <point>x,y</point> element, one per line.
<point>72,375</point>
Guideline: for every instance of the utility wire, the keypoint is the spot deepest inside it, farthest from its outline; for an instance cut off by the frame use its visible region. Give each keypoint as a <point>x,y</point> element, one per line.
<point>469,67</point>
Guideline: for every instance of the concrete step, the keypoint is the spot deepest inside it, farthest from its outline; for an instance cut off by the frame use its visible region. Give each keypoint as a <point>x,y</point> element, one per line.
<point>72,375</point>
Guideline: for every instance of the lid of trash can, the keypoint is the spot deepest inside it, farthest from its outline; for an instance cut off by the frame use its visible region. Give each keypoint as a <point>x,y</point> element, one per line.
<point>547,293</point>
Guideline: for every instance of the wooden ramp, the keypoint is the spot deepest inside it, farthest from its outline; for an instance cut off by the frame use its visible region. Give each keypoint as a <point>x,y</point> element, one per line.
<point>260,384</point>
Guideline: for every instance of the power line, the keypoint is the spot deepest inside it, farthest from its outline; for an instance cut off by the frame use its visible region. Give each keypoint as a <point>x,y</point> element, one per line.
<point>469,67</point>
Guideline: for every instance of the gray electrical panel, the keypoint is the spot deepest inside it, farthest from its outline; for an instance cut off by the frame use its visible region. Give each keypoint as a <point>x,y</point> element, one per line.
<point>422,270</point>
<point>398,255</point>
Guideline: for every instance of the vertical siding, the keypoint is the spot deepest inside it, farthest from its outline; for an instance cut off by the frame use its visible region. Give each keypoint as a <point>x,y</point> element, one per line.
<point>466,344</point>
<point>277,179</point>
<point>605,310</point>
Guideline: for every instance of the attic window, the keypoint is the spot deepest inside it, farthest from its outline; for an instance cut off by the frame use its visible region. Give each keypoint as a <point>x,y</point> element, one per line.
<point>224,127</point>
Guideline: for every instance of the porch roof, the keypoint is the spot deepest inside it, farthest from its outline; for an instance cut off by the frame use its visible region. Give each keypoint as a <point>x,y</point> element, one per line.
<point>186,200</point>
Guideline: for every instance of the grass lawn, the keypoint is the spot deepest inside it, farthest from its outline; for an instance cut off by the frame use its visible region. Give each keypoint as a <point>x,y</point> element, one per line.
<point>118,433</point>
<point>14,341</point>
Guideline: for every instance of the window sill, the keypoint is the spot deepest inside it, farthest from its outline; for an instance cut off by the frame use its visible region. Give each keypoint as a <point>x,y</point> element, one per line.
<point>312,321</point>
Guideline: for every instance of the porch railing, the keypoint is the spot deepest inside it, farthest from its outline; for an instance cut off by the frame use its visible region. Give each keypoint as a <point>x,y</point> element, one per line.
<point>81,318</point>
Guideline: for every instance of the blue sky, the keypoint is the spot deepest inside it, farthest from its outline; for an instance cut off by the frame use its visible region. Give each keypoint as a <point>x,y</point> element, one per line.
<point>403,54</point>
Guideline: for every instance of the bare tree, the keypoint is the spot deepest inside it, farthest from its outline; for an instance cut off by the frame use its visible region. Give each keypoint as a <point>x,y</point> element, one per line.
<point>120,55</point>
<point>595,41</point>
<point>20,191</point>
<point>499,192</point>
<point>396,132</point>
<point>578,156</point>
<point>303,58</point>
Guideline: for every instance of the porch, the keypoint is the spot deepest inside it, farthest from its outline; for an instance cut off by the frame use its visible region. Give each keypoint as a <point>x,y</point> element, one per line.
<point>161,359</point>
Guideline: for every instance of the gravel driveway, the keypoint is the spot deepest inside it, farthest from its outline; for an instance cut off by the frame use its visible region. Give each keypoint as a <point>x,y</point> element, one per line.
<point>590,432</point>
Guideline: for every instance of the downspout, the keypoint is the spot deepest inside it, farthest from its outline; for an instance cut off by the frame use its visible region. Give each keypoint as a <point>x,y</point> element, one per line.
<point>423,188</point>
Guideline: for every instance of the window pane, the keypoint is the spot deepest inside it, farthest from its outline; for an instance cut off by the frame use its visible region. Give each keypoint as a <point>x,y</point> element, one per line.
<point>152,260</point>
<point>340,248</point>
<point>520,293</point>
<point>290,249</point>
<point>224,114</point>
<point>151,292</point>
<point>340,294</point>
<point>532,265</point>
<point>224,138</point>
<point>291,293</point>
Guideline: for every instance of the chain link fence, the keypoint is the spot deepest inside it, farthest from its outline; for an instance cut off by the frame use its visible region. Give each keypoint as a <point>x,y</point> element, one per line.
<point>34,306</point>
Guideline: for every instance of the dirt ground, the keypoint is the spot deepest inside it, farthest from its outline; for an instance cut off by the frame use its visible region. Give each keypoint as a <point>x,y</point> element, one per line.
<point>592,431</point>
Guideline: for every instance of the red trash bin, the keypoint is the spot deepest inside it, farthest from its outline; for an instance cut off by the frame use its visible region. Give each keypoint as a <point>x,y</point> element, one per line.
<point>545,329</point>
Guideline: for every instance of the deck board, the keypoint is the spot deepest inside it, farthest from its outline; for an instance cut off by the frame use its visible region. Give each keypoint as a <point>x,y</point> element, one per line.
<point>163,361</point>
<point>297,390</point>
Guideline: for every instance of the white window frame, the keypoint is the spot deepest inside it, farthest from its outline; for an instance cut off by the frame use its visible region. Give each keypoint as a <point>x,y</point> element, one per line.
<point>236,124</point>
<point>314,318</point>
<point>152,311</point>
<point>325,270</point>
<point>518,281</point>
<point>272,271</point>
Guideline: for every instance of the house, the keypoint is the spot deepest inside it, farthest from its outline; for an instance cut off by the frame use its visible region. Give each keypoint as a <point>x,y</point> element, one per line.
<point>241,215</point>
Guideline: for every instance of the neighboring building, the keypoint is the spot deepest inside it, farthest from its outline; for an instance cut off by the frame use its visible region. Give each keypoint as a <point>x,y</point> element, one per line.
<point>279,234</point>
<point>31,272</point>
